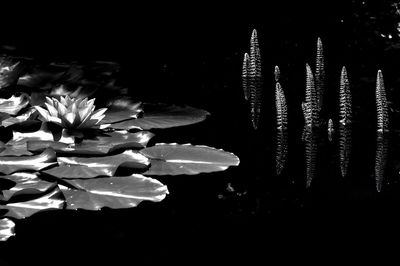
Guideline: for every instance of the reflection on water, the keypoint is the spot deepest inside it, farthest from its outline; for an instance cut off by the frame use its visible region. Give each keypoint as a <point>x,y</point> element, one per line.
<point>311,149</point>
<point>382,144</point>
<point>344,147</point>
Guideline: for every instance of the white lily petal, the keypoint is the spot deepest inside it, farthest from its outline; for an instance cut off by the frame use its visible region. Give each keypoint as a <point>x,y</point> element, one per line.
<point>44,113</point>
<point>70,118</point>
<point>62,110</point>
<point>98,113</point>
<point>53,111</point>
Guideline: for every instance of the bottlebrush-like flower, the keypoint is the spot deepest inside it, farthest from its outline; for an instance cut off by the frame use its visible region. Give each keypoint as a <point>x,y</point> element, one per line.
<point>72,113</point>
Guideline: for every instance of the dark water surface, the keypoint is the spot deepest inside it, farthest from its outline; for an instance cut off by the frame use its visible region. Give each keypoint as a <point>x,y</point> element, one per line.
<point>245,213</point>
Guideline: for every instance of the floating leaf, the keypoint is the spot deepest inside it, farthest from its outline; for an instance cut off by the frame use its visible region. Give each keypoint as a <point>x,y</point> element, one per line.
<point>101,145</point>
<point>17,146</point>
<point>29,114</point>
<point>13,104</point>
<point>115,192</point>
<point>7,229</point>
<point>81,167</point>
<point>25,183</point>
<point>20,210</point>
<point>381,104</point>
<point>382,144</point>
<point>13,164</point>
<point>121,110</point>
<point>175,159</point>
<point>164,116</point>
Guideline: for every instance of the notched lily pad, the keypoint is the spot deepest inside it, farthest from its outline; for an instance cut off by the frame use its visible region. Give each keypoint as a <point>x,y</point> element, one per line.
<point>20,210</point>
<point>114,192</point>
<point>187,159</point>
<point>11,164</point>
<point>100,145</point>
<point>120,110</point>
<point>80,167</point>
<point>25,184</point>
<point>7,229</point>
<point>13,104</point>
<point>164,116</point>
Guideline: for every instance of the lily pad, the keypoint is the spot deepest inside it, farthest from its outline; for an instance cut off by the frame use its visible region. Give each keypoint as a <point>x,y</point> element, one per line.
<point>114,192</point>
<point>29,114</point>
<point>187,159</point>
<point>50,201</point>
<point>80,167</point>
<point>7,229</point>
<point>163,116</point>
<point>120,110</point>
<point>13,104</point>
<point>11,164</point>
<point>101,145</point>
<point>26,183</point>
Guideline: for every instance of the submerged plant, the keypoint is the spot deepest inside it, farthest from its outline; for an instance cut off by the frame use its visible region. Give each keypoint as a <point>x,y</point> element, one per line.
<point>72,113</point>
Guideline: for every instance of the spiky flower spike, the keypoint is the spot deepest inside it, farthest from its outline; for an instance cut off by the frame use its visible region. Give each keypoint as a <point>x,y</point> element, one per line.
<point>381,104</point>
<point>345,99</point>
<point>310,106</point>
<point>245,76</point>
<point>72,113</point>
<point>281,119</point>
<point>320,73</point>
<point>345,115</point>
<point>255,79</point>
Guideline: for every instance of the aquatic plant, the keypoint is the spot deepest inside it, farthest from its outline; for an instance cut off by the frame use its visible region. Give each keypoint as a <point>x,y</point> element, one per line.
<point>345,116</point>
<point>110,165</point>
<point>331,130</point>
<point>382,144</point>
<point>320,74</point>
<point>252,79</point>
<point>381,104</point>
<point>281,120</point>
<point>311,149</point>
<point>72,113</point>
<point>310,105</point>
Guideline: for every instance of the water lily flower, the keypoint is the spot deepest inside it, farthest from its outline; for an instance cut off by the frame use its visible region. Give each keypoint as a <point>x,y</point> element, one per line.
<point>72,113</point>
